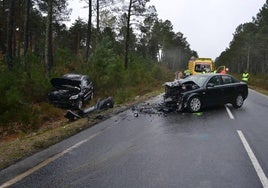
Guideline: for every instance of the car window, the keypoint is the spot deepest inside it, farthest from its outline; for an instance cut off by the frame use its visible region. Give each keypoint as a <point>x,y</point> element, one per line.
<point>227,79</point>
<point>216,80</point>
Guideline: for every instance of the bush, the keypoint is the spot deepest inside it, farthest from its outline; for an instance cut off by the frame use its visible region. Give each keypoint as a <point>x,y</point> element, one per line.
<point>20,88</point>
<point>259,80</point>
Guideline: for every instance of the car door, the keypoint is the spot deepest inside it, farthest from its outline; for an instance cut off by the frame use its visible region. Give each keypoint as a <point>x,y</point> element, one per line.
<point>229,88</point>
<point>214,91</point>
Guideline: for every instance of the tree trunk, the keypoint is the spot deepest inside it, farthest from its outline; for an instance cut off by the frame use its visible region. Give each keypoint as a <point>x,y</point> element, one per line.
<point>98,17</point>
<point>89,29</point>
<point>19,33</point>
<point>3,29</point>
<point>127,35</point>
<point>77,44</point>
<point>248,56</point>
<point>48,45</point>
<point>10,24</point>
<point>14,42</point>
<point>26,27</point>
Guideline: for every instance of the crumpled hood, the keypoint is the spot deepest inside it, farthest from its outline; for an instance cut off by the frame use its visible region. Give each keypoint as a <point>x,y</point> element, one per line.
<point>179,83</point>
<point>62,94</point>
<point>61,82</point>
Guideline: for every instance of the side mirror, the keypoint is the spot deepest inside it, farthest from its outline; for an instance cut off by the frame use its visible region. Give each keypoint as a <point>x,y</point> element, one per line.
<point>210,85</point>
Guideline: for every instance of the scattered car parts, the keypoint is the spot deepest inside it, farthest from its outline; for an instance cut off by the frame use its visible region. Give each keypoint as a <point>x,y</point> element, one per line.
<point>100,105</point>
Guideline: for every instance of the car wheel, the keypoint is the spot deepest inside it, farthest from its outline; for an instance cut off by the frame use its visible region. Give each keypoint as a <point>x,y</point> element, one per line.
<point>239,101</point>
<point>194,104</point>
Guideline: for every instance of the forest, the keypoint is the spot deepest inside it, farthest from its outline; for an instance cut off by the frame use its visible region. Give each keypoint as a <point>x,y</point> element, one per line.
<point>249,48</point>
<point>123,46</point>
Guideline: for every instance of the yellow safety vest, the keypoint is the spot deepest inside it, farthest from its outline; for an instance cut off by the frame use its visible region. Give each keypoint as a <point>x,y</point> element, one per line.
<point>186,72</point>
<point>245,77</point>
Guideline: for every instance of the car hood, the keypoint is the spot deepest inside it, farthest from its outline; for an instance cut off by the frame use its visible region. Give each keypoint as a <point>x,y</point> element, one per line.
<point>61,82</point>
<point>179,82</point>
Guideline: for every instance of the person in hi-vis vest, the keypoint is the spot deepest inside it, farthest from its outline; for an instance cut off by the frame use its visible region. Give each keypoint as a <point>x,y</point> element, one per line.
<point>245,76</point>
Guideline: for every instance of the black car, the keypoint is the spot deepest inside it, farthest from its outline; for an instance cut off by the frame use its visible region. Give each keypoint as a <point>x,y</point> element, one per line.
<point>71,90</point>
<point>203,90</point>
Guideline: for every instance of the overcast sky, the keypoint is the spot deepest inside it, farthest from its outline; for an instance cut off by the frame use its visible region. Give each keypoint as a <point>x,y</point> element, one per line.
<point>208,25</point>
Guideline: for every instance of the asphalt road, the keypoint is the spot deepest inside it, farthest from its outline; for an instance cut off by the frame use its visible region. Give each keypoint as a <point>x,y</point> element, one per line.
<point>220,147</point>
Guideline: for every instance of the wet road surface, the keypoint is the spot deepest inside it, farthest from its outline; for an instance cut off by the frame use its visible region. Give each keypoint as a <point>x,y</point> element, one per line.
<point>145,147</point>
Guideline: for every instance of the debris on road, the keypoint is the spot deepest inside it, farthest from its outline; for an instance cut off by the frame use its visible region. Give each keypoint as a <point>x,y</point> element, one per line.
<point>101,105</point>
<point>152,108</point>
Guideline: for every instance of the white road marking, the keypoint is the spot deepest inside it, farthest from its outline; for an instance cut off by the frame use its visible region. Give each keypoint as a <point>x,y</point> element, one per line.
<point>254,160</point>
<point>229,112</point>
<point>46,162</point>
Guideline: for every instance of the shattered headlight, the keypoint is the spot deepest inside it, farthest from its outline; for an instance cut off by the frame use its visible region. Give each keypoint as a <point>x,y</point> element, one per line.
<point>74,97</point>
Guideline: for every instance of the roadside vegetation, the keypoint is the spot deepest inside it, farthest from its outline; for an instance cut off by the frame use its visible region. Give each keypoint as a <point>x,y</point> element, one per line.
<point>259,81</point>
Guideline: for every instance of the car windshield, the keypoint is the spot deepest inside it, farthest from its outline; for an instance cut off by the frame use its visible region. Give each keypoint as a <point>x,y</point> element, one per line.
<point>198,79</point>
<point>202,67</point>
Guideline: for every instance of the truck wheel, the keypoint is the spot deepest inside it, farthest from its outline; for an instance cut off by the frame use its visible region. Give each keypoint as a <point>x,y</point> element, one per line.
<point>239,101</point>
<point>194,104</point>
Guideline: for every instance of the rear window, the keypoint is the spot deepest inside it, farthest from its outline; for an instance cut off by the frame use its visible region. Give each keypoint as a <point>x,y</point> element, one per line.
<point>216,80</point>
<point>226,79</point>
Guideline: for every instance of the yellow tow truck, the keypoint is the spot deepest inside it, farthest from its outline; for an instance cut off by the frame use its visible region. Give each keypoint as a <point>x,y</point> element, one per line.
<point>200,65</point>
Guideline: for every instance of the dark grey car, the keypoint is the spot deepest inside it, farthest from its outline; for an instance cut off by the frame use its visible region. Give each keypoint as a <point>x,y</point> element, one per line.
<point>198,91</point>
<point>71,90</point>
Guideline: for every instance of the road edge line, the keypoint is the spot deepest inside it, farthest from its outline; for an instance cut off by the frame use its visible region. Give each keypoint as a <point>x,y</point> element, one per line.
<point>45,162</point>
<point>254,160</point>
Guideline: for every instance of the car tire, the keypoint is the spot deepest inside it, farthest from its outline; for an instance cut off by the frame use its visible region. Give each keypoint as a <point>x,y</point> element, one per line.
<point>239,101</point>
<point>194,104</point>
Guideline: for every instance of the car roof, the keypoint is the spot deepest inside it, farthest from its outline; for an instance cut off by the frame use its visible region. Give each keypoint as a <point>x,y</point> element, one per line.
<point>74,76</point>
<point>210,74</point>
<point>202,75</point>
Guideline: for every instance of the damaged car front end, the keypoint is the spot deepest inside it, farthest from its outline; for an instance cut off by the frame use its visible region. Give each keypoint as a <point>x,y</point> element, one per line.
<point>176,93</point>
